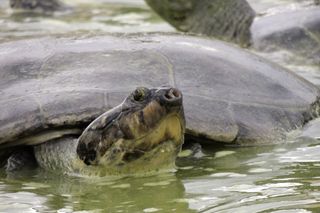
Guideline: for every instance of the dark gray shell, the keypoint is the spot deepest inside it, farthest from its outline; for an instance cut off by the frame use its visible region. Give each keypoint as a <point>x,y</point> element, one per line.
<point>230,95</point>
<point>297,31</point>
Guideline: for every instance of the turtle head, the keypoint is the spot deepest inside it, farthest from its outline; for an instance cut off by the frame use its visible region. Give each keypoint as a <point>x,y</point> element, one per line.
<point>143,133</point>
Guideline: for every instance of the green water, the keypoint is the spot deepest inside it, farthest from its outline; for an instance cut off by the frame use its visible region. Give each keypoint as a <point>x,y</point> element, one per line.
<point>91,17</point>
<point>281,178</point>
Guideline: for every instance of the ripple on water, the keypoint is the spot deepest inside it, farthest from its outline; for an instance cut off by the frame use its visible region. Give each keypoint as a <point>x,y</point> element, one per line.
<point>160,183</point>
<point>22,202</point>
<point>302,155</point>
<point>121,186</point>
<point>259,170</point>
<point>223,153</point>
<point>34,185</point>
<point>227,174</point>
<point>272,189</point>
<point>151,210</point>
<point>293,211</point>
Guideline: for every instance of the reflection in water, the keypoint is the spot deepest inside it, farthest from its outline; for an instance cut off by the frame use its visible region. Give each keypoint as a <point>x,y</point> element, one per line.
<point>249,179</point>
<point>282,177</point>
<point>74,194</point>
<point>21,202</point>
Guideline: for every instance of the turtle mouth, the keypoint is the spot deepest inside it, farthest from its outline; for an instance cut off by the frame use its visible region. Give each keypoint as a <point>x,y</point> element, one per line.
<point>169,131</point>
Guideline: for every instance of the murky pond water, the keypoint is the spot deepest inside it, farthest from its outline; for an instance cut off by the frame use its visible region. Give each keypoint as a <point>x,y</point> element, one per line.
<point>278,178</point>
<point>282,178</point>
<point>87,18</point>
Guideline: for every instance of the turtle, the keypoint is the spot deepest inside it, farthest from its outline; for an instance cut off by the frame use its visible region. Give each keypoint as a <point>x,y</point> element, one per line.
<point>52,88</point>
<point>141,135</point>
<point>296,31</point>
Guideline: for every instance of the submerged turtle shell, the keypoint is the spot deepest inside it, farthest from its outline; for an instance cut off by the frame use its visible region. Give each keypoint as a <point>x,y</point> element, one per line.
<point>230,95</point>
<point>296,31</point>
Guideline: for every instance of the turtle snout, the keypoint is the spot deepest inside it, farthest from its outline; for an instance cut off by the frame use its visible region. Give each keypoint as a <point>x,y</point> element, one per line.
<point>172,96</point>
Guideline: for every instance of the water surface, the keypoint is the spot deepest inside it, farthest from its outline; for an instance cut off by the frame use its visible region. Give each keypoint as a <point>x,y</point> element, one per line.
<point>87,18</point>
<point>279,178</point>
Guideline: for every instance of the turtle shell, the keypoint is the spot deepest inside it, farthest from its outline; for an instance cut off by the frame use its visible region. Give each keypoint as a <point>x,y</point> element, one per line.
<point>51,87</point>
<point>297,31</point>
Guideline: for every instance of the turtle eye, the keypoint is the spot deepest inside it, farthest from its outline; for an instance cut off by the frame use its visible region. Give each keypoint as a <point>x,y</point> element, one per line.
<point>139,94</point>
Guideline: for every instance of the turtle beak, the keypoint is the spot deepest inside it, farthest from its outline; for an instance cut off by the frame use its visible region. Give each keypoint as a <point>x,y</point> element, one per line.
<point>173,96</point>
<point>170,97</point>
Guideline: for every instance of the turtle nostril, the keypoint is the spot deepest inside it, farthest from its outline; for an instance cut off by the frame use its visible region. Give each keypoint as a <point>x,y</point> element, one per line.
<point>173,94</point>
